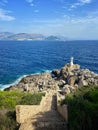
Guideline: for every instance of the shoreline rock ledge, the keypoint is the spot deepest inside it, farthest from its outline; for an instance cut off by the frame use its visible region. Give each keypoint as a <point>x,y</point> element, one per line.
<point>67,79</point>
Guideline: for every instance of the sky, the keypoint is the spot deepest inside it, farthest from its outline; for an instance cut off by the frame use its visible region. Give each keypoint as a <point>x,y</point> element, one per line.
<point>73,19</point>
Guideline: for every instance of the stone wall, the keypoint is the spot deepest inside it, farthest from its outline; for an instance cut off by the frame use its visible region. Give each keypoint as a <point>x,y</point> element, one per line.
<point>62,109</point>
<point>25,112</point>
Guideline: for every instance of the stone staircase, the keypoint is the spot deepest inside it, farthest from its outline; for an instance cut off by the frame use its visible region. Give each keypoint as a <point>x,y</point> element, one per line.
<point>48,118</point>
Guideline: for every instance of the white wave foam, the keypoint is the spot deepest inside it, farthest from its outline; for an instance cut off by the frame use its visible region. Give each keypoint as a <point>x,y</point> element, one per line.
<point>2,87</point>
<point>49,71</point>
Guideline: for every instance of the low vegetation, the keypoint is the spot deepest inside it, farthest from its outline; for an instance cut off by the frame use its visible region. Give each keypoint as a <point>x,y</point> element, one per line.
<point>83,108</point>
<point>8,101</point>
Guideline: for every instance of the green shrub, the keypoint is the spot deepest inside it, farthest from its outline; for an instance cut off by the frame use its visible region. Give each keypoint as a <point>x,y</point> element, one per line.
<point>9,99</point>
<point>31,99</point>
<point>83,109</point>
<point>8,120</point>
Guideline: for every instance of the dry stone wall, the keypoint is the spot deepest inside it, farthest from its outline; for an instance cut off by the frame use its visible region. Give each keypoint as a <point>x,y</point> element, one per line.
<point>63,110</point>
<point>25,112</point>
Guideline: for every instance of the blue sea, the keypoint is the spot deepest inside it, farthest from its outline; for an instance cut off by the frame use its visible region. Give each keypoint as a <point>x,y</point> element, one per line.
<point>20,58</point>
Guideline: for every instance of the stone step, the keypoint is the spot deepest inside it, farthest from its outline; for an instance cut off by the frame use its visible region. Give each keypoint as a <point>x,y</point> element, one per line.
<point>49,124</point>
<point>48,116</point>
<point>46,125</point>
<point>47,120</point>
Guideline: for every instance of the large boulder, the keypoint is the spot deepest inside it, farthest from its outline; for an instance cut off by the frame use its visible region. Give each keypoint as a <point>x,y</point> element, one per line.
<point>61,83</point>
<point>67,71</point>
<point>63,73</point>
<point>56,73</point>
<point>66,89</point>
<point>71,80</point>
<point>82,83</point>
<point>68,67</point>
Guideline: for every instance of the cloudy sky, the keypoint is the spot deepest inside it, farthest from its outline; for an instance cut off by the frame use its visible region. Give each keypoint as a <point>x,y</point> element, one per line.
<point>75,19</point>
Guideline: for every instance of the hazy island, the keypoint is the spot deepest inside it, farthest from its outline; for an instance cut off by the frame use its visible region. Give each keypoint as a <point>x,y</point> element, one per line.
<point>28,37</point>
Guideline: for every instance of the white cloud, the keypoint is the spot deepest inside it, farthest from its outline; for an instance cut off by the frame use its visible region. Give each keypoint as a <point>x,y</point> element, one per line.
<point>4,15</point>
<point>70,26</point>
<point>80,3</point>
<point>75,5</point>
<point>85,1</point>
<point>80,27</point>
<point>30,2</point>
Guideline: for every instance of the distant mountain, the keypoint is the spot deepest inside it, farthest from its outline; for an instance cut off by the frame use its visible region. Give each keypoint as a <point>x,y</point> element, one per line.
<point>27,36</point>
<point>4,35</point>
<point>52,38</point>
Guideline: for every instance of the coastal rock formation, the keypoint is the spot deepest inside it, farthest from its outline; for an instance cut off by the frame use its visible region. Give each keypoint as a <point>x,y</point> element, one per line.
<point>68,78</point>
<point>35,83</point>
<point>76,77</point>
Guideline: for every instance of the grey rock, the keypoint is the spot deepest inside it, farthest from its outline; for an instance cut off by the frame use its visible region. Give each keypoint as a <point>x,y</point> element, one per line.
<point>66,89</point>
<point>71,80</point>
<point>56,73</point>
<point>82,83</point>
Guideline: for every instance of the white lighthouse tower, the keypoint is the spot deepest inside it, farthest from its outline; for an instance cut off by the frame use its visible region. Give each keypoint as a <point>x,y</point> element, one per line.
<point>71,61</point>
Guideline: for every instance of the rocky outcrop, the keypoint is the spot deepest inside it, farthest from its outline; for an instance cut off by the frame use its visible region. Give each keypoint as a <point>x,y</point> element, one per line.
<point>76,77</point>
<point>35,83</point>
<point>68,78</point>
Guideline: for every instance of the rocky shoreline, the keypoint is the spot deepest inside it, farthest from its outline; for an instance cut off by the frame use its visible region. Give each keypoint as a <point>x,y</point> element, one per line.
<point>67,79</point>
